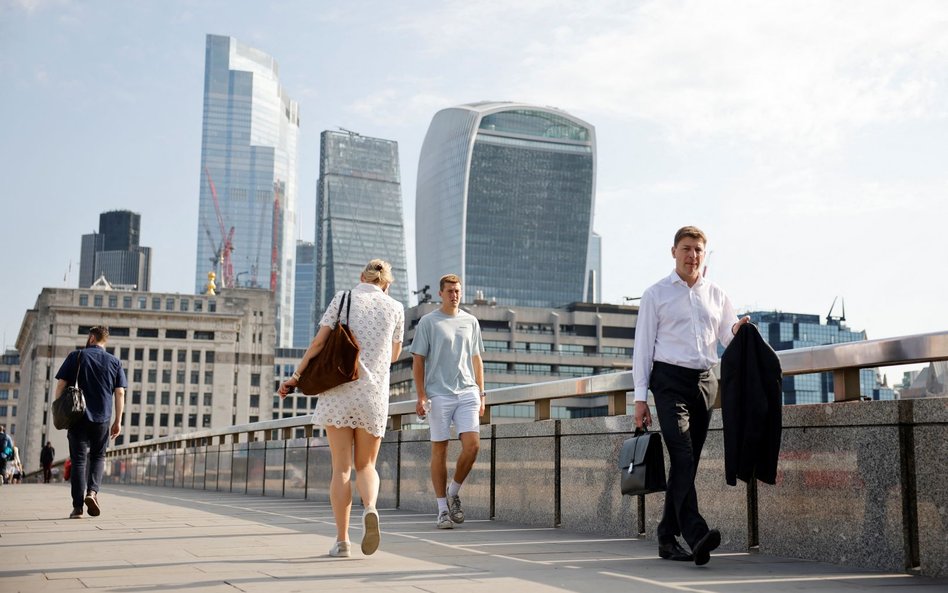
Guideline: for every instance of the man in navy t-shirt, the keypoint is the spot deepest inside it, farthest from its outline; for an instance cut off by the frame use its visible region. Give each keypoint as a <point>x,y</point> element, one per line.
<point>102,381</point>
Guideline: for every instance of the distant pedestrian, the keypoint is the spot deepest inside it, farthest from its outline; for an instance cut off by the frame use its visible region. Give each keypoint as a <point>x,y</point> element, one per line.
<point>355,414</point>
<point>449,373</point>
<point>682,318</point>
<point>16,476</point>
<point>103,383</point>
<point>6,452</point>
<point>47,456</point>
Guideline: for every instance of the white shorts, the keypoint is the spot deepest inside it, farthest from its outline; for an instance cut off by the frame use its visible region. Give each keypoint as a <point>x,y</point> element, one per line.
<point>464,410</point>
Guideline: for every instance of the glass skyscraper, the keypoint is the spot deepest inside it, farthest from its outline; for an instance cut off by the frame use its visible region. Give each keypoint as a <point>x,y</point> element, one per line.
<point>246,233</point>
<point>304,322</point>
<point>114,252</point>
<point>505,199</point>
<point>785,331</point>
<point>358,214</point>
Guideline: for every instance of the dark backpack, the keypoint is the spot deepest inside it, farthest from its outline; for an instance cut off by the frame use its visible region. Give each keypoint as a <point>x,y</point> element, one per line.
<point>7,443</point>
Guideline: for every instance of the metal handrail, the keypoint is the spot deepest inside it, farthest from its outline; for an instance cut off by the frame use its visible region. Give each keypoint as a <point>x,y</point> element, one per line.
<point>843,360</point>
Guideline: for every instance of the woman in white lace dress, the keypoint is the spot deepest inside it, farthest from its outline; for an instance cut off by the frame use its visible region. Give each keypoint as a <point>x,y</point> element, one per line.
<point>355,414</point>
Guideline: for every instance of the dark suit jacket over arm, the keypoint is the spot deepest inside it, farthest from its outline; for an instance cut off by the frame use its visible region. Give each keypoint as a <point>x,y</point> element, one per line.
<point>752,403</point>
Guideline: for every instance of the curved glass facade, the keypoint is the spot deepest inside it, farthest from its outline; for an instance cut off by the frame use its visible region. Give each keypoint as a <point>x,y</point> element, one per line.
<point>505,198</point>
<point>249,152</point>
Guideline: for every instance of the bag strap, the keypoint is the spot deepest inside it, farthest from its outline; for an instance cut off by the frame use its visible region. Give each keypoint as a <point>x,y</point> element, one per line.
<point>78,366</point>
<point>348,304</point>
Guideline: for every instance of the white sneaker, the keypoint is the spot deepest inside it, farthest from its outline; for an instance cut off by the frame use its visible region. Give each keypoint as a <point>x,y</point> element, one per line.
<point>444,521</point>
<point>454,509</point>
<point>339,550</point>
<point>371,534</point>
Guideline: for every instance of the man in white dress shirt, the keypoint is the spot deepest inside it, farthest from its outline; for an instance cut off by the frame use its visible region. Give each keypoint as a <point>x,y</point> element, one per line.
<point>681,319</point>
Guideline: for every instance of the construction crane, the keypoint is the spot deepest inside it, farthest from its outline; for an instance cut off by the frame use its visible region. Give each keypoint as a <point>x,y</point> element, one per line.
<point>829,316</point>
<point>226,276</point>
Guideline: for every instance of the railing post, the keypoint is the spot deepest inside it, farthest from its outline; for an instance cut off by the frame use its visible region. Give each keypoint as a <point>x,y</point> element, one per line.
<point>397,422</point>
<point>846,384</point>
<point>485,419</point>
<point>617,403</point>
<point>542,409</point>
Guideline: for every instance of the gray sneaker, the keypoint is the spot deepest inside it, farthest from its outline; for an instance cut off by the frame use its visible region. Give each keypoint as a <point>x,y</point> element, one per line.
<point>454,506</point>
<point>444,521</point>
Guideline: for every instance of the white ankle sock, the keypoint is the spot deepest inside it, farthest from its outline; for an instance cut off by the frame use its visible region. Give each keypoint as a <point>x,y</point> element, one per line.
<point>453,488</point>
<point>442,505</point>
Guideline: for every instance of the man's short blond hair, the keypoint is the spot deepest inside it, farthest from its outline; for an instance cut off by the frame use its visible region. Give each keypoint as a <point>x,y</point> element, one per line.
<point>692,232</point>
<point>449,279</point>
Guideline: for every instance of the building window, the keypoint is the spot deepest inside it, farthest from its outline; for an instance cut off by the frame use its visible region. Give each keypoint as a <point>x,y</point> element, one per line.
<point>136,399</point>
<point>152,376</point>
<point>193,399</point>
<point>126,302</point>
<point>179,398</point>
<point>124,353</point>
<point>198,306</point>
<point>196,356</point>
<point>153,354</point>
<point>83,300</point>
<point>97,300</point>
<point>254,401</point>
<point>137,375</point>
<point>208,399</point>
<point>255,379</point>
<point>209,356</point>
<point>156,303</point>
<point>163,420</point>
<point>192,420</point>
<point>142,302</point>
<point>195,377</point>
<point>212,306</point>
<point>179,376</point>
<point>150,399</point>
<point>208,377</point>
<point>166,355</point>
<point>166,376</point>
<point>113,301</point>
<point>184,305</point>
<point>178,420</point>
<point>139,354</point>
<point>169,304</point>
<point>176,334</point>
<point>206,421</point>
<point>147,332</point>
<point>203,335</point>
<point>182,355</point>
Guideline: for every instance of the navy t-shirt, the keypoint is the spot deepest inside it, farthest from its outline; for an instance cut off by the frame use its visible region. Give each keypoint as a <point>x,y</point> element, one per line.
<point>99,375</point>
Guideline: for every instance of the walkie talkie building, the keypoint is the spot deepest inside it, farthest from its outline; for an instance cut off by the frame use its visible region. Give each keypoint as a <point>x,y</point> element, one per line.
<point>505,199</point>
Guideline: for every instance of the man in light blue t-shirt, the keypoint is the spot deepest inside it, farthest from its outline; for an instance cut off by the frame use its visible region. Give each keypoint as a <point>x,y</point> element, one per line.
<point>449,373</point>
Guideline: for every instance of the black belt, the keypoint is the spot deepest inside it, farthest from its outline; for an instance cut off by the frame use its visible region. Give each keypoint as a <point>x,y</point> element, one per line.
<point>680,370</point>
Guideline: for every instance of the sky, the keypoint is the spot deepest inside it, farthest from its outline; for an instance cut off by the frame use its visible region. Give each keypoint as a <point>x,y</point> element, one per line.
<point>808,138</point>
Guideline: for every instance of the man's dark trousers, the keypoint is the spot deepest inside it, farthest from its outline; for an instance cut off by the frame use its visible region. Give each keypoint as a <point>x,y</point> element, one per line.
<point>88,442</point>
<point>683,398</point>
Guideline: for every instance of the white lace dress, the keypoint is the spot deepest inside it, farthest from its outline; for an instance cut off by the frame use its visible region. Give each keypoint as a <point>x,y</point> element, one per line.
<point>377,320</point>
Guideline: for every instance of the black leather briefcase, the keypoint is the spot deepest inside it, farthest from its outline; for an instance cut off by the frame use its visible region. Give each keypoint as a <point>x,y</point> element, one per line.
<point>642,464</point>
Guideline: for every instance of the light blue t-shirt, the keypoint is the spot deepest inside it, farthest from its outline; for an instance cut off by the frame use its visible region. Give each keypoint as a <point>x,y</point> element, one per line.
<point>448,343</point>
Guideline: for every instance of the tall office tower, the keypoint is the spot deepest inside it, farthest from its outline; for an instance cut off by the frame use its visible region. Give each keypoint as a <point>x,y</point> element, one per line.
<point>304,322</point>
<point>594,269</point>
<point>114,252</point>
<point>505,199</point>
<point>785,331</point>
<point>358,213</point>
<point>248,178</point>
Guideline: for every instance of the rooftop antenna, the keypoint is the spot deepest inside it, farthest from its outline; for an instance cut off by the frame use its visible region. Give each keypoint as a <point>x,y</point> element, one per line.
<point>841,318</point>
<point>350,132</point>
<point>425,297</point>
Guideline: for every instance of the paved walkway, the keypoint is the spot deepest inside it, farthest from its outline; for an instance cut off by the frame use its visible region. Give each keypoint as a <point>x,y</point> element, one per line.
<point>163,539</point>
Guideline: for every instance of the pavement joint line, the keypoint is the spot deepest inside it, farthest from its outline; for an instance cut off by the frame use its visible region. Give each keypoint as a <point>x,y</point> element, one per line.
<point>565,541</point>
<point>753,581</point>
<point>654,583</point>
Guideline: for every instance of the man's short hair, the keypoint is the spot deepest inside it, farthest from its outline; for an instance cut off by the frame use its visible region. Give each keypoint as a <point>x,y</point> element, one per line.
<point>691,232</point>
<point>449,279</point>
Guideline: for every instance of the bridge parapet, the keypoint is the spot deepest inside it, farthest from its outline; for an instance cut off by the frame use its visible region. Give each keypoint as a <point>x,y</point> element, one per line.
<point>859,483</point>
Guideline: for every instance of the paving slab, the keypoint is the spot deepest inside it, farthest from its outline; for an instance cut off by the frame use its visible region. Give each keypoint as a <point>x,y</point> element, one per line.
<point>180,540</point>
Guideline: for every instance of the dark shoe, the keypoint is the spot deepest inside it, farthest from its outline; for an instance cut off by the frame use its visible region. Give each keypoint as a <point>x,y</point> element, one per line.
<point>705,545</point>
<point>674,551</point>
<point>92,504</point>
<point>76,513</point>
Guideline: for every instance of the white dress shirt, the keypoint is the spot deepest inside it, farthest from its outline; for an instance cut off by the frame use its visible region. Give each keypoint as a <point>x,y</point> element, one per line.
<point>680,325</point>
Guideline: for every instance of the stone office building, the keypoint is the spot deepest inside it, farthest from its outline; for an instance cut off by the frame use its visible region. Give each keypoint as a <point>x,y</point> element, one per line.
<point>526,345</point>
<point>192,361</point>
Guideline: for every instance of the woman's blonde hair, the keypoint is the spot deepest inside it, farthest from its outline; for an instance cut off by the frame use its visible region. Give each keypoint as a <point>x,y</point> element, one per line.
<point>378,272</point>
